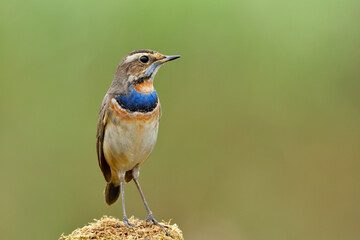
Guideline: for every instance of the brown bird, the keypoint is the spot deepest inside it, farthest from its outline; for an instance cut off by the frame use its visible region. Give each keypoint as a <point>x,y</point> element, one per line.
<point>128,124</point>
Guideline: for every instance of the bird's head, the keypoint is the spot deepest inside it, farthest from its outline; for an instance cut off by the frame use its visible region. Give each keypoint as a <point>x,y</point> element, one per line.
<point>139,67</point>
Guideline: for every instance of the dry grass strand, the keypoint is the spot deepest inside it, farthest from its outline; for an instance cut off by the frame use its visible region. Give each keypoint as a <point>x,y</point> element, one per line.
<point>111,228</point>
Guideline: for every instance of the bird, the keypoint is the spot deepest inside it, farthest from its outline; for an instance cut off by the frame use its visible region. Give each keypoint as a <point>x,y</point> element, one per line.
<point>128,125</point>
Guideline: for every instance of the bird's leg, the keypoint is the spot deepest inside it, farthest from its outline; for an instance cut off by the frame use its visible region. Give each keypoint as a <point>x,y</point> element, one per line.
<point>150,218</point>
<point>125,219</point>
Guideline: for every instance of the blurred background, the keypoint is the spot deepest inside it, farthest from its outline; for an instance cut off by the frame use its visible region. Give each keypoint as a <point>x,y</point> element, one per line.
<point>260,134</point>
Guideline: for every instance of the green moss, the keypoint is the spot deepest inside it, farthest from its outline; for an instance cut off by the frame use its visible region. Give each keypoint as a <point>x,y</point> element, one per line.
<point>113,229</point>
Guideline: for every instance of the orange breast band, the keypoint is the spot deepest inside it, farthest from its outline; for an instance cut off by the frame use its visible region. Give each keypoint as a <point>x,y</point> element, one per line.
<point>125,115</point>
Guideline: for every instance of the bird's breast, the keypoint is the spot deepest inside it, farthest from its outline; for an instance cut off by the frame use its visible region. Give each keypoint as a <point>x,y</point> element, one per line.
<point>130,136</point>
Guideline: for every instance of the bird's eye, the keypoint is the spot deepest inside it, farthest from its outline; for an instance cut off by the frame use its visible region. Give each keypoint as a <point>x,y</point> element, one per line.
<point>144,59</point>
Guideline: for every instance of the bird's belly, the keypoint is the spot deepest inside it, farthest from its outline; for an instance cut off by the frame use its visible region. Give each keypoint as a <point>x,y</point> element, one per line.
<point>128,143</point>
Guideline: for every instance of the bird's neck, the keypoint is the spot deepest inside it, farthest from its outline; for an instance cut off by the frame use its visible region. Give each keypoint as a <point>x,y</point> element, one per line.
<point>144,87</point>
<point>142,97</point>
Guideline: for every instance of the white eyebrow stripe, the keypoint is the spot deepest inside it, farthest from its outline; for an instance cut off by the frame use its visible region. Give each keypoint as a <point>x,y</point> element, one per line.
<point>133,57</point>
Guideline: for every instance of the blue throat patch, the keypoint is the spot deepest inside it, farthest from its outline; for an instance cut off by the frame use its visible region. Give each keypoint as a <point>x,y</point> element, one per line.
<point>138,102</point>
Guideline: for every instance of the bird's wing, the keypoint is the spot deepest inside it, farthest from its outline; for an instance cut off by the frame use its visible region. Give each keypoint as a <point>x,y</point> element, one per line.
<point>104,166</point>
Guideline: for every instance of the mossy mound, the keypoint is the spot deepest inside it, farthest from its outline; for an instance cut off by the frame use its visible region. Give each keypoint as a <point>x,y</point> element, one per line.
<point>113,229</point>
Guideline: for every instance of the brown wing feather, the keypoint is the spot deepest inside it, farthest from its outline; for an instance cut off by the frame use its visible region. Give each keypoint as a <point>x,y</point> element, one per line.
<point>104,166</point>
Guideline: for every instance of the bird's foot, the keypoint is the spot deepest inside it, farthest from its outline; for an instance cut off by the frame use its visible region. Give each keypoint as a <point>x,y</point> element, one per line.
<point>127,223</point>
<point>152,220</point>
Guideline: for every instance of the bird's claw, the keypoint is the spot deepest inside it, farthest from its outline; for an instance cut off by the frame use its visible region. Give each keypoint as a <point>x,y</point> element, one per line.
<point>152,220</point>
<point>127,223</point>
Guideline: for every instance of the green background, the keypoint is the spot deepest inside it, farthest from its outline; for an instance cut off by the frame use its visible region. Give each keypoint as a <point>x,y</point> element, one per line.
<point>260,134</point>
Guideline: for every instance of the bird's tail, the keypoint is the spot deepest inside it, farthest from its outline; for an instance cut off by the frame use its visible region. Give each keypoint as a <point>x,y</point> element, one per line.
<point>112,193</point>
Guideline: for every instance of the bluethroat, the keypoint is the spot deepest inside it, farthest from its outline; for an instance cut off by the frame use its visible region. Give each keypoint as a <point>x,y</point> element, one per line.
<point>128,124</point>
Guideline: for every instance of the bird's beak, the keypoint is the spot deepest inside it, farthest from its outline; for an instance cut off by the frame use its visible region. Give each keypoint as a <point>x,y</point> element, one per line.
<point>158,63</point>
<point>169,58</point>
